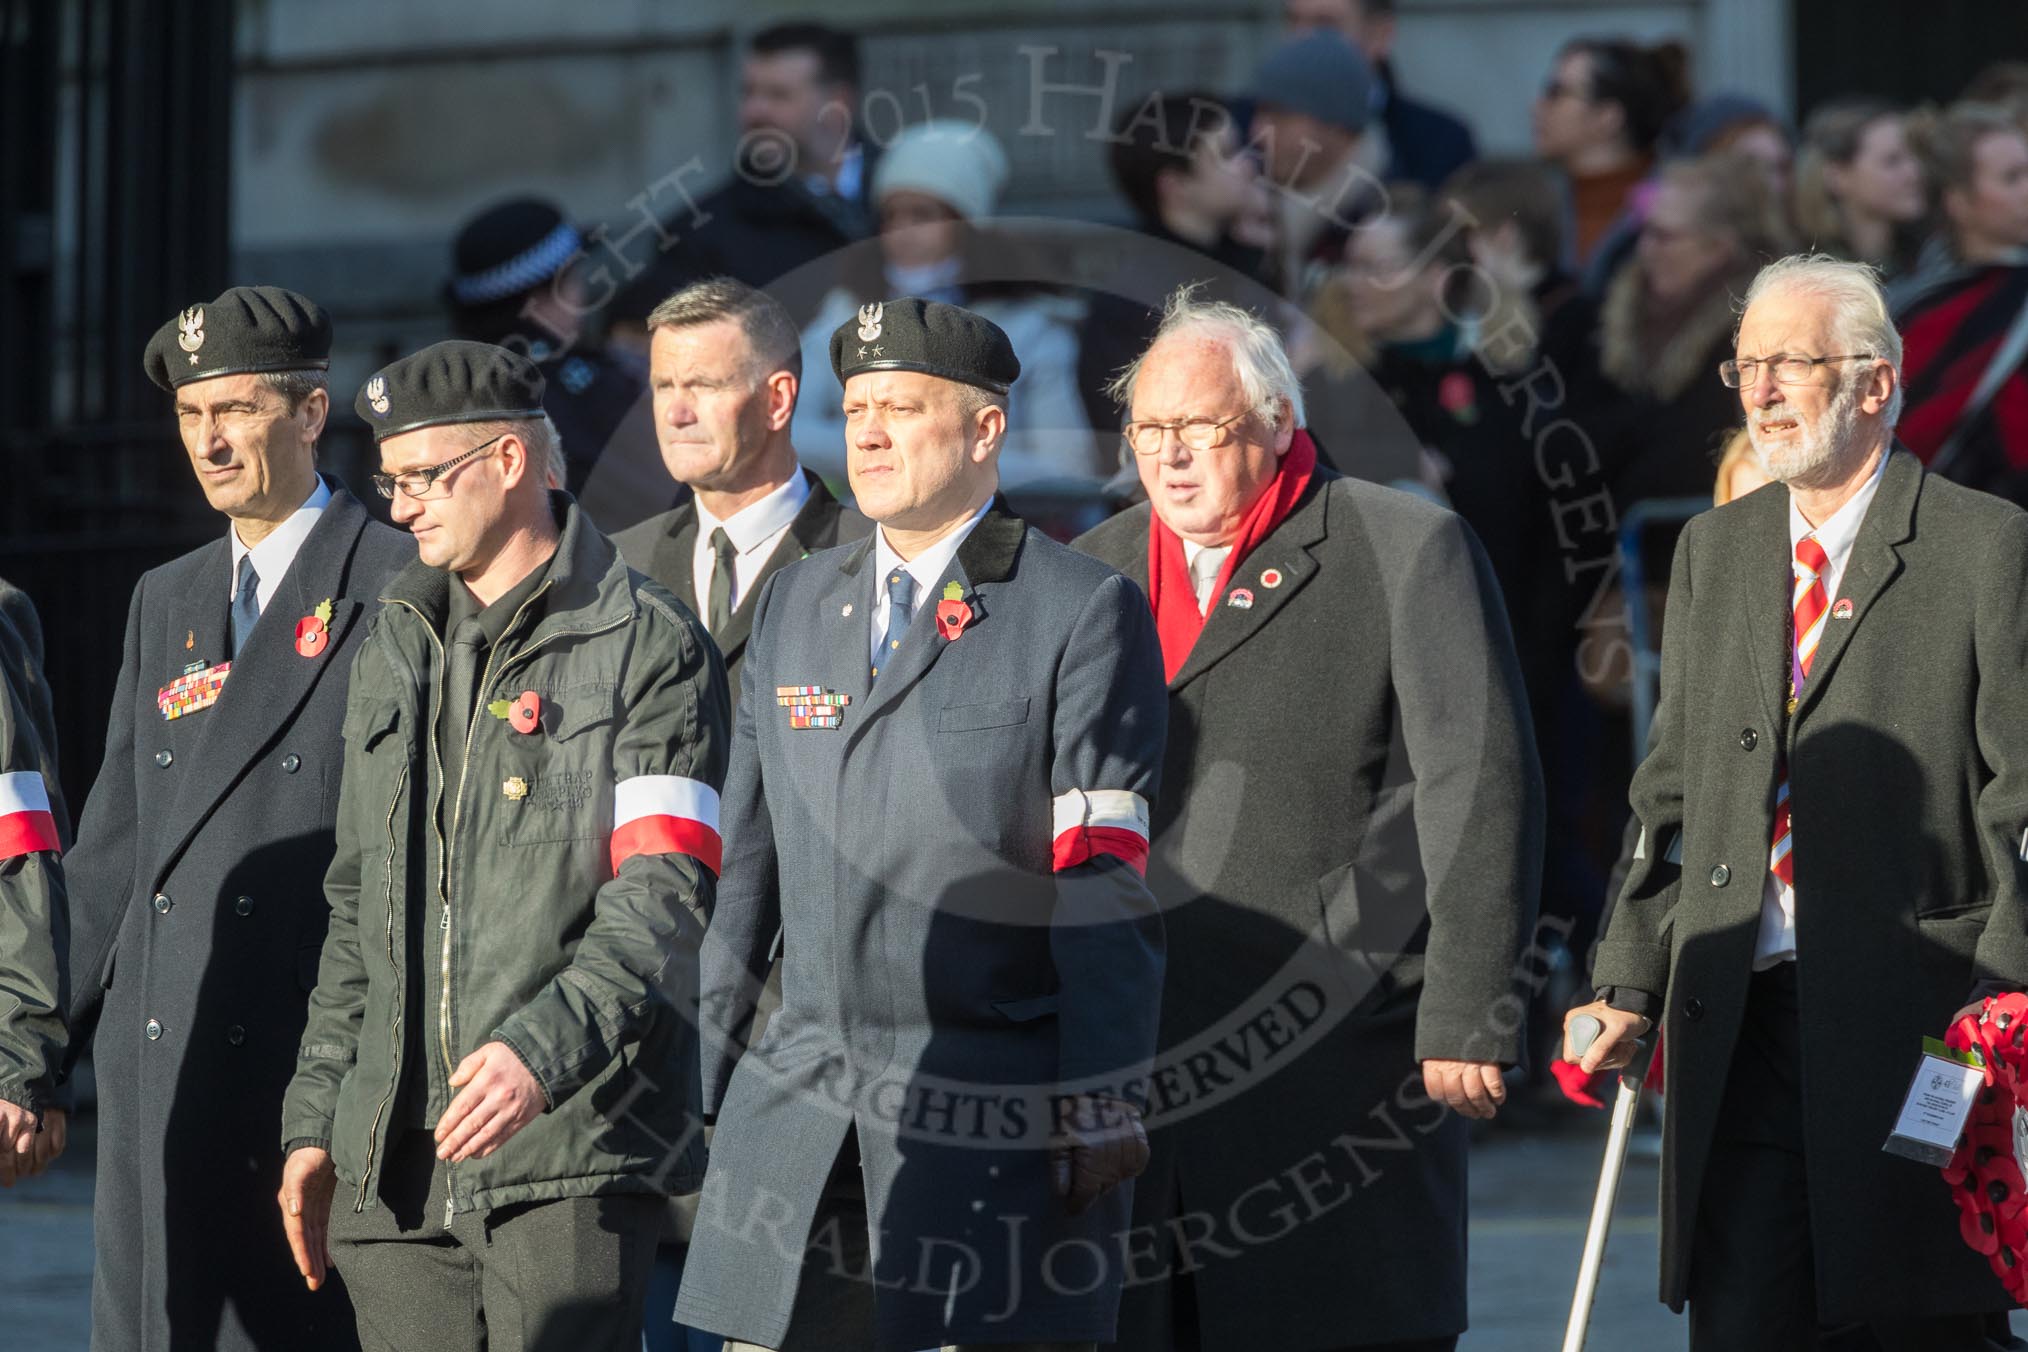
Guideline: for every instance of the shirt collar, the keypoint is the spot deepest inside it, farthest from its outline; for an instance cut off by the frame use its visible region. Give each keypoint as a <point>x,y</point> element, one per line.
<point>931,564</point>
<point>272,556</point>
<point>758,522</point>
<point>1841,528</point>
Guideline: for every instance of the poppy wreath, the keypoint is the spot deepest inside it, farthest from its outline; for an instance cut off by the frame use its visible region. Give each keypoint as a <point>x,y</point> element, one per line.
<point>1985,1174</point>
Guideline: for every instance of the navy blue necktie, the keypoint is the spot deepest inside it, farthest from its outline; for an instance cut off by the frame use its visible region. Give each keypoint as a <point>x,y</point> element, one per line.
<point>900,610</point>
<point>246,604</point>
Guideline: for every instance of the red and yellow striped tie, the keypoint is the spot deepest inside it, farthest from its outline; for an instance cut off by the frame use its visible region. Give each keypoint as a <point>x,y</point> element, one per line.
<point>1811,604</point>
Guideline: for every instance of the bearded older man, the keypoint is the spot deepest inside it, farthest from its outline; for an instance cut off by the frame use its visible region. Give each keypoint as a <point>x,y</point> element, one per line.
<point>1830,860</point>
<point>1348,869</point>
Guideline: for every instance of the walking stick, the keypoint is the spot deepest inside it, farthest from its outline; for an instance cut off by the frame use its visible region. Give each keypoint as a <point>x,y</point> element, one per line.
<point>1584,1030</point>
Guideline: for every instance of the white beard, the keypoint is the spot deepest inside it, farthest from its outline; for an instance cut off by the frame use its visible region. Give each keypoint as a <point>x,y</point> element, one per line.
<point>1814,445</point>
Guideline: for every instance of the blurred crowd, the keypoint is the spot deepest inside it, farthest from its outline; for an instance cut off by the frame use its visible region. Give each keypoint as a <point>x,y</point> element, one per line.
<point>1533,340</point>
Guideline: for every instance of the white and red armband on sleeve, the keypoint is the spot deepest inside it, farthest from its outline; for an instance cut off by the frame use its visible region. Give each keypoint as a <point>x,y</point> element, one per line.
<point>1097,822</point>
<point>666,814</point>
<point>26,823</point>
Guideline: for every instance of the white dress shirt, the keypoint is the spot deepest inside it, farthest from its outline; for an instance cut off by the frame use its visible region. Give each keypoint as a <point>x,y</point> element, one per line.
<point>925,568</point>
<point>1204,563</point>
<point>273,555</point>
<point>755,530</point>
<point>1776,941</point>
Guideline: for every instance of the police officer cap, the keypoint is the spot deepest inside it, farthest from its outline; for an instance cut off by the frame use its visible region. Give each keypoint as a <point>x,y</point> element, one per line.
<point>248,329</point>
<point>926,336</point>
<point>456,381</point>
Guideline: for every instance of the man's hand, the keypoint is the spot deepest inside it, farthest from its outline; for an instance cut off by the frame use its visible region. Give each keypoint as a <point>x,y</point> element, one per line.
<point>1614,1046</point>
<point>49,1142</point>
<point>496,1098</point>
<point>1471,1088</point>
<point>17,1142</point>
<point>1099,1143</point>
<point>308,1180</point>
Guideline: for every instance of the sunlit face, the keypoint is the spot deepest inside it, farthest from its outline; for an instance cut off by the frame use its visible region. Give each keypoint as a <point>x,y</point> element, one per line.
<point>1993,211</point>
<point>712,411</point>
<point>1803,430</point>
<point>253,458</point>
<point>1203,495</point>
<point>1884,179</point>
<point>915,460</point>
<point>457,523</point>
<point>1746,475</point>
<point>1392,298</point>
<point>916,230</point>
<point>1678,253</point>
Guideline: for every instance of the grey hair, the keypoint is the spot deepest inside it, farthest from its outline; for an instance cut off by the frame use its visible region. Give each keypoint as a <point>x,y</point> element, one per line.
<point>1258,357</point>
<point>772,335</point>
<point>294,386</point>
<point>544,443</point>
<point>1861,322</point>
<point>973,400</point>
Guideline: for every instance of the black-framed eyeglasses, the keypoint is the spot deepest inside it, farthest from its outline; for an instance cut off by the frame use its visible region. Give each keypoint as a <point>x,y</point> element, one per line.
<point>1788,368</point>
<point>417,483</point>
<point>1199,434</point>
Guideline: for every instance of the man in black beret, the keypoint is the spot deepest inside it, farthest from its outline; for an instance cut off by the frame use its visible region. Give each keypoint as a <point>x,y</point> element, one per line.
<point>948,738</point>
<point>494,1078</point>
<point>515,282</point>
<point>204,840</point>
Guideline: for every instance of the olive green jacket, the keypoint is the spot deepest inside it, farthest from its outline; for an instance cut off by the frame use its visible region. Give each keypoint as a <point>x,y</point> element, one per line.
<point>33,919</point>
<point>587,973</point>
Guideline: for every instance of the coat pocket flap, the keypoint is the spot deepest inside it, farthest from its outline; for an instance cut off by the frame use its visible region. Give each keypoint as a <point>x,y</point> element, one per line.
<point>367,721</point>
<point>577,710</point>
<point>972,717</point>
<point>1031,1008</point>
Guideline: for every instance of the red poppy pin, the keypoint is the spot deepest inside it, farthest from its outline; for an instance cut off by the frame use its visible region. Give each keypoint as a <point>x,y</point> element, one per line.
<point>1458,398</point>
<point>313,631</point>
<point>523,713</point>
<point>952,612</point>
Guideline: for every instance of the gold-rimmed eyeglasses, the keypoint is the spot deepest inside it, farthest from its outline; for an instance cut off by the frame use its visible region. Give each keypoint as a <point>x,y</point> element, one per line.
<point>1199,434</point>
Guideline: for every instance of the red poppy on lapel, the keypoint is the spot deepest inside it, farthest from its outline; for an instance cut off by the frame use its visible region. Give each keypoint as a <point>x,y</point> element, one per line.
<point>313,631</point>
<point>952,612</point>
<point>526,715</point>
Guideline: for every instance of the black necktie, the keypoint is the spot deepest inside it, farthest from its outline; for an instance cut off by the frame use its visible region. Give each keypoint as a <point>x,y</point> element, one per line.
<point>246,604</point>
<point>721,580</point>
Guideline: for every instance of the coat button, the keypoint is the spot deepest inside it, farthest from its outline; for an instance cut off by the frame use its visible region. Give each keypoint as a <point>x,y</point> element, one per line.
<point>1693,1009</point>
<point>235,1035</point>
<point>163,757</point>
<point>244,906</point>
<point>162,903</point>
<point>292,763</point>
<point>1720,876</point>
<point>153,1030</point>
<point>1748,739</point>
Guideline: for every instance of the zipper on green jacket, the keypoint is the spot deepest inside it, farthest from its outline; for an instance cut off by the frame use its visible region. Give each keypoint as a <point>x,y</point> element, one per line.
<point>394,1076</point>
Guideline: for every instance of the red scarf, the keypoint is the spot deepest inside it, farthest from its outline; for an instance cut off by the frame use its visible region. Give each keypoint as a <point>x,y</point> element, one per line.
<point>1170,593</point>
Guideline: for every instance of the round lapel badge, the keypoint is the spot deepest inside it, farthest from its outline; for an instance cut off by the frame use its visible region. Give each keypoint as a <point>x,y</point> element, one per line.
<point>1271,579</point>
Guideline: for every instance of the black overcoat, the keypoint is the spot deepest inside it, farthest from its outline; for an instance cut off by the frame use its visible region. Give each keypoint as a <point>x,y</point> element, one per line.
<point>1347,858</point>
<point>197,903</point>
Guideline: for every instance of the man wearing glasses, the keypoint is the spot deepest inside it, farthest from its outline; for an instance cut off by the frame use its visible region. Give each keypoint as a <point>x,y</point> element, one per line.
<point>194,882</point>
<point>1347,858</point>
<point>494,1076</point>
<point>1831,859</point>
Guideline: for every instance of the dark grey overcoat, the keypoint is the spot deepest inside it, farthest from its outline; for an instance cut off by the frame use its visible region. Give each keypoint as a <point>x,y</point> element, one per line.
<point>1908,768</point>
<point>946,968</point>
<point>1347,854</point>
<point>197,904</point>
<point>662,547</point>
